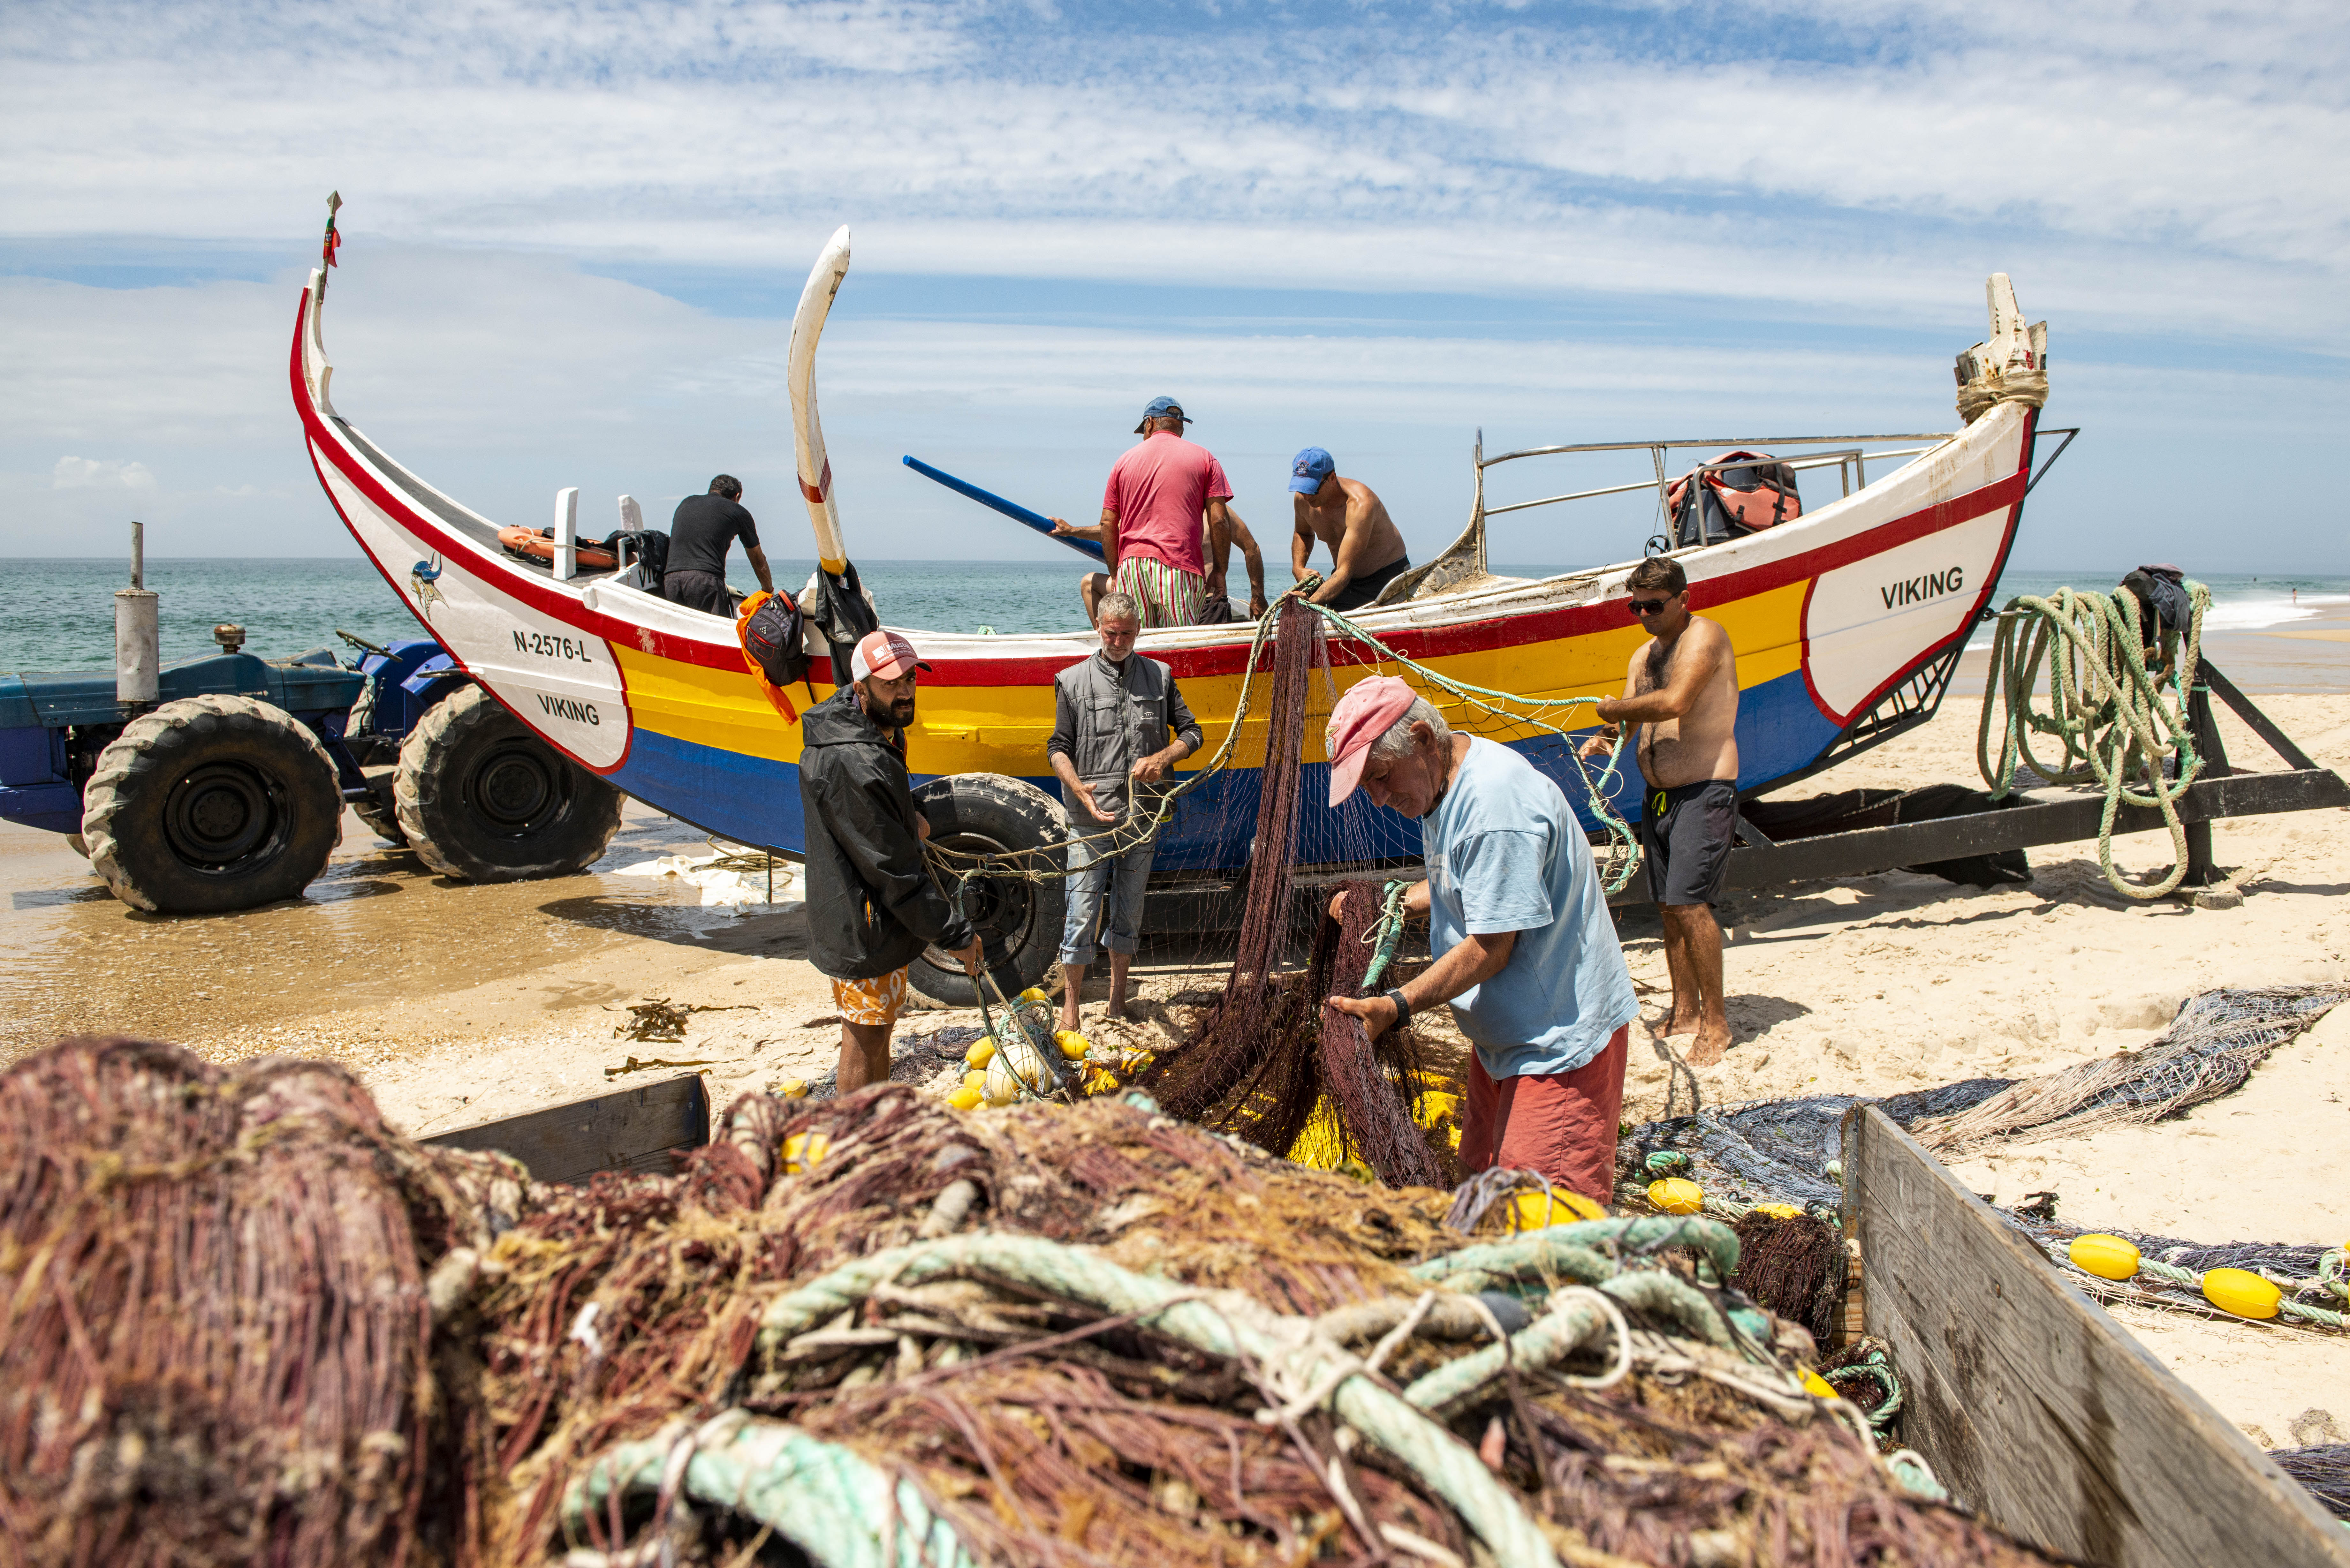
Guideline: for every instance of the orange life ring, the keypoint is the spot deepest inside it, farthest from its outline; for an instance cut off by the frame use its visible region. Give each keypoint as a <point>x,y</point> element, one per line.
<point>535,546</point>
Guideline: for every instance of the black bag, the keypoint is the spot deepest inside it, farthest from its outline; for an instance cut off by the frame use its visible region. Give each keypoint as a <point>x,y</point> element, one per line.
<point>1215,610</point>
<point>650,548</point>
<point>775,637</point>
<point>835,605</point>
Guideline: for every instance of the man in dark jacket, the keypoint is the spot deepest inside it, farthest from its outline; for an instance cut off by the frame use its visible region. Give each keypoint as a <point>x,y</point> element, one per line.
<point>871,905</point>
<point>698,536</point>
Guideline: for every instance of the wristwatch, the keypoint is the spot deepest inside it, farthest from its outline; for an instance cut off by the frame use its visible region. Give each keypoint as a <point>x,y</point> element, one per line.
<point>1403,1009</point>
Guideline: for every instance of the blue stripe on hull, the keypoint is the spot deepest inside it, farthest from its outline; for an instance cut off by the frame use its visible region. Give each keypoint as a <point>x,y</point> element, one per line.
<point>754,801</point>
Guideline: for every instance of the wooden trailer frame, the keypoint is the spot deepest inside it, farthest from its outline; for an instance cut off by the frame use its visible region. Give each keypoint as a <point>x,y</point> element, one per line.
<point>2038,1410</point>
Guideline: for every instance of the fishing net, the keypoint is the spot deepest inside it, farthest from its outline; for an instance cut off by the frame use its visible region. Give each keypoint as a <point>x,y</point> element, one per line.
<point>1789,1151</point>
<point>1794,1265</point>
<point>1272,1052</point>
<point>215,1335</point>
<point>2324,1471</point>
<point>2313,1282</point>
<point>2210,1049</point>
<point>865,1331</point>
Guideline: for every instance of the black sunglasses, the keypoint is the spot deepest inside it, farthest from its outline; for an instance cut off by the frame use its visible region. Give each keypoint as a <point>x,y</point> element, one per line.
<point>1648,607</point>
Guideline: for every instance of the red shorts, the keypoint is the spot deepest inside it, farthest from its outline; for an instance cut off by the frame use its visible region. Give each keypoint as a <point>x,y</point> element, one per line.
<point>1561,1124</point>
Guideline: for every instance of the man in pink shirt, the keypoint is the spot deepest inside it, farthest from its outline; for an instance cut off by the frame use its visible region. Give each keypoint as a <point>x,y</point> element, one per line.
<point>1151,529</point>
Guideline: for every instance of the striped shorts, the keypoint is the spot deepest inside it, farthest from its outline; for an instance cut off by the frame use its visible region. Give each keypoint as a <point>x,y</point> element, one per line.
<point>1168,595</point>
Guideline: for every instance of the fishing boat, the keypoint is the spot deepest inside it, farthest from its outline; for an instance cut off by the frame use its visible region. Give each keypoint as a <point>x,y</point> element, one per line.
<point>1847,621</point>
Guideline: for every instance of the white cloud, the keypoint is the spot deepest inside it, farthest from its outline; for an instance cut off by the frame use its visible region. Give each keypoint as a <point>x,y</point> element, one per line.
<point>89,473</point>
<point>2158,169</point>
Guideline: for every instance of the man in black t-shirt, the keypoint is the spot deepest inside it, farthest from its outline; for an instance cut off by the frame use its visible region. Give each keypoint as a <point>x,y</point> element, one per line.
<point>698,536</point>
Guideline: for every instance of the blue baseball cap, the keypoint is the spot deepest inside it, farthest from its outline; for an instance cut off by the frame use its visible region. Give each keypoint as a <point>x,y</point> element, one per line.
<point>1159,409</point>
<point>1311,467</point>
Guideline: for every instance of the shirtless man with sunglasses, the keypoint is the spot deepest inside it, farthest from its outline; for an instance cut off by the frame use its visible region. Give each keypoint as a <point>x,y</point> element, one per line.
<point>1681,689</point>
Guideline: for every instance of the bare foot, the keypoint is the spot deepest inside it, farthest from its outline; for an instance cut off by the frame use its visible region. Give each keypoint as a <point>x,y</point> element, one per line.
<point>1069,1017</point>
<point>1665,1029</point>
<point>1709,1046</point>
<point>1118,1010</point>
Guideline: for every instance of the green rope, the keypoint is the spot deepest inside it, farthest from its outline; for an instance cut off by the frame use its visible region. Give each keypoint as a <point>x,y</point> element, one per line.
<point>1387,936</point>
<point>1227,1326</point>
<point>2114,719</point>
<point>2329,1267</point>
<point>840,1508</point>
<point>1554,1249</point>
<point>1528,712</point>
<point>1877,1366</point>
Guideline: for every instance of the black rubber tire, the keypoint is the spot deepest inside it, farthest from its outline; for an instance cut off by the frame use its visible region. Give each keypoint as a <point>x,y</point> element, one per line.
<point>481,798</point>
<point>1019,922</point>
<point>212,803</point>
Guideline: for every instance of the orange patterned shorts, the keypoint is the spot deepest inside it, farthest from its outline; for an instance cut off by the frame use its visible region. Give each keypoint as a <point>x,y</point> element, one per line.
<point>876,1001</point>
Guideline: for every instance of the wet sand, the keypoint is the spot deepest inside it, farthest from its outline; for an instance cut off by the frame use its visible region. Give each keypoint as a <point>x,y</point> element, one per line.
<point>460,1003</point>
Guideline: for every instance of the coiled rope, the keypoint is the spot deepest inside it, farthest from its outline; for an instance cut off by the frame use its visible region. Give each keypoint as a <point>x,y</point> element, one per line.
<point>2116,722</point>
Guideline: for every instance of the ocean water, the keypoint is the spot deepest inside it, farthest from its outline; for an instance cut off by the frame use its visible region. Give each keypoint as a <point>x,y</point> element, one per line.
<point>59,614</point>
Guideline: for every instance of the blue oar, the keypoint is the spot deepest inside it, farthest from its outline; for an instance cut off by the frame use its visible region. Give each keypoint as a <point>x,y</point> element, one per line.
<point>1018,514</point>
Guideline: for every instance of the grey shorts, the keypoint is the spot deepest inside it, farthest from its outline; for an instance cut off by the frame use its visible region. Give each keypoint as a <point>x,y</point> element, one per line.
<point>1685,837</point>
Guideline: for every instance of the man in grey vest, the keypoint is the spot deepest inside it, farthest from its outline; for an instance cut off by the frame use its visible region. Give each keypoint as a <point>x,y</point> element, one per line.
<point>1112,715</point>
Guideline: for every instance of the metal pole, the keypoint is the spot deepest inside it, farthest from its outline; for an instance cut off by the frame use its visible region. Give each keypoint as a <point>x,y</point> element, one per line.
<point>138,634</point>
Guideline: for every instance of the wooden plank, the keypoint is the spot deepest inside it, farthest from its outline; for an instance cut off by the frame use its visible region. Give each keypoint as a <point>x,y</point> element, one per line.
<point>628,1129</point>
<point>2071,819</point>
<point>2035,1408</point>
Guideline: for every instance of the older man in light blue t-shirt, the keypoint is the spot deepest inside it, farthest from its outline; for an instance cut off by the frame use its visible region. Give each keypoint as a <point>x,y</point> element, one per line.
<point>1518,926</point>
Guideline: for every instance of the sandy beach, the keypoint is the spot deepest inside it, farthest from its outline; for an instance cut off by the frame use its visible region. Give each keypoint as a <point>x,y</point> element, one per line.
<point>458,1004</point>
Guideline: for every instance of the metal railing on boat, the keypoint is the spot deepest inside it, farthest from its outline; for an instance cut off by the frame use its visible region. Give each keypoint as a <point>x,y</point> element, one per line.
<point>1850,459</point>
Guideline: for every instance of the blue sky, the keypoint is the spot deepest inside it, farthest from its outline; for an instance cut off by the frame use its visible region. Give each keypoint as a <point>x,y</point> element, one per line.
<point>574,232</point>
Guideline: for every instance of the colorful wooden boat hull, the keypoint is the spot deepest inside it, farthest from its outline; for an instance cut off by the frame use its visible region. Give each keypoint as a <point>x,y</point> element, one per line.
<point>1828,616</point>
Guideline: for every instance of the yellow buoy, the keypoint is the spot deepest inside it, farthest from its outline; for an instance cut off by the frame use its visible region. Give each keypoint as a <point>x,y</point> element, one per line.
<point>2107,1257</point>
<point>1100,1081</point>
<point>1677,1195</point>
<point>1035,994</point>
<point>966,1098</point>
<point>1072,1044</point>
<point>1816,1386</point>
<point>1778,1210</point>
<point>789,1088</point>
<point>981,1052</point>
<point>803,1151</point>
<point>2241,1292</point>
<point>1535,1212</point>
<point>974,1079</point>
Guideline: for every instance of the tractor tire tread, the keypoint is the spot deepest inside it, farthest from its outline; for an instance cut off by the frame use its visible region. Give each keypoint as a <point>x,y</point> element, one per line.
<point>120,847</point>
<point>431,751</point>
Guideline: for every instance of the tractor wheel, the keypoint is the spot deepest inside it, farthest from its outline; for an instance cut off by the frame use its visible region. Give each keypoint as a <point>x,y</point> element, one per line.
<point>482,798</point>
<point>1019,920</point>
<point>212,803</point>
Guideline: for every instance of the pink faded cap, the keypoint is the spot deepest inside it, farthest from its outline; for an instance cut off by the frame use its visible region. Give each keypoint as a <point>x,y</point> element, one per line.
<point>885,654</point>
<point>1368,710</point>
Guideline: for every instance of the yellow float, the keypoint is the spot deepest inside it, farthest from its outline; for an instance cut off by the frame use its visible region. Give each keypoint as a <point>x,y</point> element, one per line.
<point>1676,1195</point>
<point>2107,1257</point>
<point>804,1151</point>
<point>2241,1292</point>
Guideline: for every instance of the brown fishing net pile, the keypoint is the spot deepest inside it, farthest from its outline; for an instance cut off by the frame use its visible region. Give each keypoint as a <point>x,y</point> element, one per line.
<point>1794,1266</point>
<point>215,1335</point>
<point>1272,1049</point>
<point>241,1322</point>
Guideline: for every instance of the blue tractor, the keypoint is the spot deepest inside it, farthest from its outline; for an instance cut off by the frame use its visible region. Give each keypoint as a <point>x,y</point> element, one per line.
<point>219,783</point>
